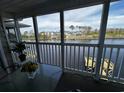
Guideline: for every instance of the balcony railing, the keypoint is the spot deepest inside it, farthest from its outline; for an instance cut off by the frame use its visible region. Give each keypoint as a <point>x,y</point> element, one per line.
<point>81,58</point>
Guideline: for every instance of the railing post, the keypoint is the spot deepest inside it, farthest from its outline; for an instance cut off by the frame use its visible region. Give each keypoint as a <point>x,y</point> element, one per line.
<point>36,37</point>
<point>62,37</point>
<point>102,36</point>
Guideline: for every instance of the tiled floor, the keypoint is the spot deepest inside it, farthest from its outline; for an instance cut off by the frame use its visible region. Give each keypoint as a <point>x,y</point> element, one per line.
<point>50,78</point>
<point>71,82</point>
<point>46,80</point>
<point>2,73</point>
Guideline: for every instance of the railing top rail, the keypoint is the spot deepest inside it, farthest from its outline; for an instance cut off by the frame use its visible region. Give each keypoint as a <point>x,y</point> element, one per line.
<point>69,44</point>
<point>79,44</point>
<point>113,46</point>
<point>49,43</point>
<point>29,42</point>
<point>45,43</point>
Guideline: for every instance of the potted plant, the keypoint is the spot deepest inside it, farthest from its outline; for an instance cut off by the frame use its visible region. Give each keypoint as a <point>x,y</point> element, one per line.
<point>30,68</point>
<point>19,48</point>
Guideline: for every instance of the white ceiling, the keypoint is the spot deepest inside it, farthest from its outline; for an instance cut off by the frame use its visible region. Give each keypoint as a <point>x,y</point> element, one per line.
<point>27,8</point>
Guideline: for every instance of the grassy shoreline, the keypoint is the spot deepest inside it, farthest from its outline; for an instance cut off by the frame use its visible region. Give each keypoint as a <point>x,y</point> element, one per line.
<point>76,36</point>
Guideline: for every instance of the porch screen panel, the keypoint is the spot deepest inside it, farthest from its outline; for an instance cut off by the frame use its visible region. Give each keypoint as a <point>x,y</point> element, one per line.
<point>81,36</point>
<point>28,37</point>
<point>49,38</point>
<point>115,38</point>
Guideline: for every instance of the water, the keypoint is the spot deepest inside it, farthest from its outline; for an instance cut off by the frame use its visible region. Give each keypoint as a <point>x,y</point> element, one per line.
<point>95,41</point>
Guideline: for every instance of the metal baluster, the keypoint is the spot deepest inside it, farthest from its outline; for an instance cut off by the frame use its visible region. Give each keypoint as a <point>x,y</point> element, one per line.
<point>74,58</point>
<point>84,63</point>
<point>31,51</point>
<point>34,57</point>
<point>56,54</point>
<point>103,60</point>
<point>66,57</point>
<point>115,64</point>
<point>50,54</point>
<point>27,50</point>
<point>40,48</point>
<point>78,57</point>
<point>109,60</point>
<point>47,54</point>
<point>88,58</point>
<point>70,58</point>
<point>36,53</point>
<point>93,62</point>
<point>44,54</point>
<point>60,56</point>
<point>120,67</point>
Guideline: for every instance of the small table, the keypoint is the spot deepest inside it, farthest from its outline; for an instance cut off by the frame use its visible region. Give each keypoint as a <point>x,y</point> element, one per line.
<point>46,80</point>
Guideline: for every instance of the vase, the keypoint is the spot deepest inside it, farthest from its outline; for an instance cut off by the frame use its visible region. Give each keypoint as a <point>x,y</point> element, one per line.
<point>31,75</point>
<point>22,57</point>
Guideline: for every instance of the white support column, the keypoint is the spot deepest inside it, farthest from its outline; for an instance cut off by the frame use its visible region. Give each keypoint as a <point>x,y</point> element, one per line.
<point>4,28</point>
<point>4,60</point>
<point>102,36</point>
<point>62,37</point>
<point>5,45</point>
<point>17,30</point>
<point>36,37</point>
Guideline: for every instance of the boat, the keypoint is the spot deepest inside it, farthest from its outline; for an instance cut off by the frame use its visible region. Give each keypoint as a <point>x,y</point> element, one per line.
<point>90,64</point>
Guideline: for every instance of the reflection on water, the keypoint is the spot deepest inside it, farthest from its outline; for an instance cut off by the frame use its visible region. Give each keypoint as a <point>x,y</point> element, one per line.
<point>95,41</point>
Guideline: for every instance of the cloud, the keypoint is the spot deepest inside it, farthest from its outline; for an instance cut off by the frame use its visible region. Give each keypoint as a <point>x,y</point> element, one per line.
<point>49,22</point>
<point>29,22</point>
<point>81,14</point>
<point>50,17</point>
<point>116,21</point>
<point>72,17</point>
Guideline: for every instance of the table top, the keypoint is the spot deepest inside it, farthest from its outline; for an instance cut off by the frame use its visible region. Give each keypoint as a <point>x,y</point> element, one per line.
<point>45,80</point>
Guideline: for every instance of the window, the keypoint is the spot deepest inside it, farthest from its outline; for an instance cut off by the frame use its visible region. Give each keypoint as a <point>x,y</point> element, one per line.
<point>27,30</point>
<point>82,25</point>
<point>11,34</point>
<point>115,26</point>
<point>49,28</point>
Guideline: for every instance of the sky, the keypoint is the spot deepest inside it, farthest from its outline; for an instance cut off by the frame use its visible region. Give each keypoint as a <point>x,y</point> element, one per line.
<point>88,16</point>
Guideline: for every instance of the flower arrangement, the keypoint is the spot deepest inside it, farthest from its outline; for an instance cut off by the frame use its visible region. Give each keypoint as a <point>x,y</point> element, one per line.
<point>29,67</point>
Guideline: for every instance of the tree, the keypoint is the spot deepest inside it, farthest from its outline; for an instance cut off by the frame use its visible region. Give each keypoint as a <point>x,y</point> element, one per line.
<point>89,28</point>
<point>79,27</point>
<point>72,27</point>
<point>25,35</point>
